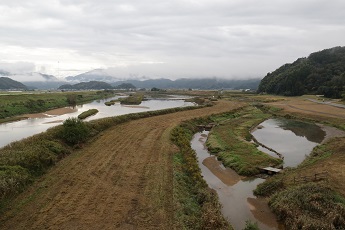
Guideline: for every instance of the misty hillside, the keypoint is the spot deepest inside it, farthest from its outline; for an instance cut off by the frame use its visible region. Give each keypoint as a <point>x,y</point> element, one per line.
<point>8,83</point>
<point>321,72</point>
<point>87,85</point>
<point>184,83</point>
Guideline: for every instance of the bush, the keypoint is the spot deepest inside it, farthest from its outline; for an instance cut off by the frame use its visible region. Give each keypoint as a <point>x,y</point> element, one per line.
<point>309,206</point>
<point>251,226</point>
<point>13,179</point>
<point>74,131</point>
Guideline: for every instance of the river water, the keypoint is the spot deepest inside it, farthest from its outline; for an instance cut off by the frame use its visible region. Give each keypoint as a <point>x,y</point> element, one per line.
<point>293,139</point>
<point>18,130</point>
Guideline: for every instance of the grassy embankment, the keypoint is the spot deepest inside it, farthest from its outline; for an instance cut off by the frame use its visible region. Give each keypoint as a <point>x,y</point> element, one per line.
<point>311,204</point>
<point>87,113</point>
<point>19,104</point>
<point>24,161</point>
<point>230,140</point>
<point>196,205</point>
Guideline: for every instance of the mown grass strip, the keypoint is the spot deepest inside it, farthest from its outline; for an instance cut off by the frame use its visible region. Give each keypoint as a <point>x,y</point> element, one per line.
<point>22,162</point>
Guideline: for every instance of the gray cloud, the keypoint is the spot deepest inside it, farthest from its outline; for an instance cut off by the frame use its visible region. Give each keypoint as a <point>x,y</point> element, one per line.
<point>187,38</point>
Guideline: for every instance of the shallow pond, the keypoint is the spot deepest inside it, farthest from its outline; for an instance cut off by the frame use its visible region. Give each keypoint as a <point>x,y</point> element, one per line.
<point>293,139</point>
<point>18,130</point>
<point>235,193</point>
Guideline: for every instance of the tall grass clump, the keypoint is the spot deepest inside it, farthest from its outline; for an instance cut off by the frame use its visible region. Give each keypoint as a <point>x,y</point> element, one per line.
<point>309,206</point>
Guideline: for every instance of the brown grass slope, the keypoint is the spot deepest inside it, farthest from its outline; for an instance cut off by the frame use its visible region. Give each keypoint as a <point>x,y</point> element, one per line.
<point>122,180</point>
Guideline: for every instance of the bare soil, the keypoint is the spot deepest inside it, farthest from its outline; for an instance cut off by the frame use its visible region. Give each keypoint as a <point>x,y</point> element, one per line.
<point>122,180</point>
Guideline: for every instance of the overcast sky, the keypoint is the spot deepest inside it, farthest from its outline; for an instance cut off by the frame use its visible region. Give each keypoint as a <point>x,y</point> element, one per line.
<point>171,39</point>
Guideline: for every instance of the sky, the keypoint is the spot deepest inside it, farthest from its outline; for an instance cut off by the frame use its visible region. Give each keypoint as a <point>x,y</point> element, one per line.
<point>170,39</point>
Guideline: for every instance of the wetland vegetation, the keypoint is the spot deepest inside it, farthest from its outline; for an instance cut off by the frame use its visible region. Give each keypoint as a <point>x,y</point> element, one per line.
<point>12,105</point>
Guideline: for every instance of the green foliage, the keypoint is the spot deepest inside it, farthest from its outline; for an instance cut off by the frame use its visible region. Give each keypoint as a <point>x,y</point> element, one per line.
<point>88,113</point>
<point>309,206</point>
<point>74,131</point>
<point>230,141</point>
<point>251,226</point>
<point>13,179</point>
<point>322,72</point>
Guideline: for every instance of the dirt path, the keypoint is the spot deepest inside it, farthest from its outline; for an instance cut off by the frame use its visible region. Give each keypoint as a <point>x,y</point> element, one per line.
<point>122,180</point>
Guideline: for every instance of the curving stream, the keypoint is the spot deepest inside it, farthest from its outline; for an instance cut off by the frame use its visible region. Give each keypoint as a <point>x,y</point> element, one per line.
<point>293,139</point>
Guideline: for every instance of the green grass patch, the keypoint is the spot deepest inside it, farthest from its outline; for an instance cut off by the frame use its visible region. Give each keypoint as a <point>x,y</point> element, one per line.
<point>87,113</point>
<point>230,141</point>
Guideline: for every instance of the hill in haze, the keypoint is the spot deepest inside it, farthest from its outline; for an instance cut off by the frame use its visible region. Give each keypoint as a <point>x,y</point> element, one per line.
<point>8,83</point>
<point>321,73</point>
<point>87,85</point>
<point>186,83</point>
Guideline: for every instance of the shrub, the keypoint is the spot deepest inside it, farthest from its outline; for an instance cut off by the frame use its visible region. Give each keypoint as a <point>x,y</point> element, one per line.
<point>74,131</point>
<point>13,179</point>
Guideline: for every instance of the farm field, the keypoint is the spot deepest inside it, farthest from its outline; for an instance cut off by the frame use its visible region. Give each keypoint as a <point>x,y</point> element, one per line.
<point>123,179</point>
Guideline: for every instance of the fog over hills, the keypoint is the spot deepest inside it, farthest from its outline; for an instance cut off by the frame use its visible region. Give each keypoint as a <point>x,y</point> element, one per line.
<point>37,80</point>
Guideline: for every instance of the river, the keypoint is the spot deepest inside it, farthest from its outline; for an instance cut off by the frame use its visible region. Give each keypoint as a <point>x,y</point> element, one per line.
<point>293,139</point>
<point>18,130</point>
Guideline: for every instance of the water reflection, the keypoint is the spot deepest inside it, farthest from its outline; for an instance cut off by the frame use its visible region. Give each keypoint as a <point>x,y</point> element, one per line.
<point>237,199</point>
<point>293,139</point>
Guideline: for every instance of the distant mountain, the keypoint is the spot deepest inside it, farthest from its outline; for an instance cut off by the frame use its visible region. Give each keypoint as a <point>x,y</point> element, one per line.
<point>125,86</point>
<point>45,84</point>
<point>93,75</point>
<point>185,83</point>
<point>87,85</point>
<point>321,72</point>
<point>8,83</point>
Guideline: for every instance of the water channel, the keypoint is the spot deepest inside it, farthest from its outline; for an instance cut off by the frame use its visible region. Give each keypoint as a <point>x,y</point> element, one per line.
<point>293,139</point>
<point>18,130</point>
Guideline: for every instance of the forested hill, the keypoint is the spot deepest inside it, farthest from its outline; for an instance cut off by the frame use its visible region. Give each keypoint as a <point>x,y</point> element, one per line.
<point>322,72</point>
<point>8,83</point>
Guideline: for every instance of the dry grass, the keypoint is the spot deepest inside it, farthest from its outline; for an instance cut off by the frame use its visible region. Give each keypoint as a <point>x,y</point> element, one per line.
<point>122,180</point>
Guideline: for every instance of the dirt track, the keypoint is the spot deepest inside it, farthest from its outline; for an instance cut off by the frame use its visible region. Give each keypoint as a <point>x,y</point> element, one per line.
<point>122,180</point>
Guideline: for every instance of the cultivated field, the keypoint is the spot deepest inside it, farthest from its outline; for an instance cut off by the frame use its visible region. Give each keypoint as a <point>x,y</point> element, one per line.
<point>122,180</point>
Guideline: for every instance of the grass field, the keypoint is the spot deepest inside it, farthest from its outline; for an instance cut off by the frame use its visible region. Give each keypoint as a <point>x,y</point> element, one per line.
<point>131,176</point>
<point>122,179</point>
